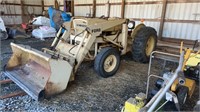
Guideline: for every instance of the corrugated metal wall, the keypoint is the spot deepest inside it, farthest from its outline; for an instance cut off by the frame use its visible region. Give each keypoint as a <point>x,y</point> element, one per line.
<point>182,20</point>
<point>33,9</point>
<point>101,10</point>
<point>83,10</point>
<point>115,10</point>
<point>48,3</point>
<point>182,11</point>
<point>144,11</point>
<point>10,9</point>
<point>11,13</point>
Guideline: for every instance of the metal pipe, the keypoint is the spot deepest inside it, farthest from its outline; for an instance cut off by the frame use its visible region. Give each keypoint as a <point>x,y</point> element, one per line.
<point>161,106</point>
<point>81,43</point>
<point>150,62</point>
<point>154,98</point>
<point>55,41</point>
<point>154,52</point>
<point>166,88</point>
<point>20,93</point>
<point>5,81</point>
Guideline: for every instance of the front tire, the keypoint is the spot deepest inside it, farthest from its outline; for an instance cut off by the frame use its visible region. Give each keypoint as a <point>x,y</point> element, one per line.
<point>144,43</point>
<point>107,62</point>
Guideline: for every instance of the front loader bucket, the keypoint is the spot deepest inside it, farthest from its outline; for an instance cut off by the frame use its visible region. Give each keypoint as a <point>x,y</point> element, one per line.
<point>36,72</point>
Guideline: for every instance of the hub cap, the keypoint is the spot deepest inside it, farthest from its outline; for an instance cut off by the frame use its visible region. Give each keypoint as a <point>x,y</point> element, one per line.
<point>110,63</point>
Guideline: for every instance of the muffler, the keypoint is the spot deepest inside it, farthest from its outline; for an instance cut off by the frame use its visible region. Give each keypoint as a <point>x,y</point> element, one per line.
<point>36,72</point>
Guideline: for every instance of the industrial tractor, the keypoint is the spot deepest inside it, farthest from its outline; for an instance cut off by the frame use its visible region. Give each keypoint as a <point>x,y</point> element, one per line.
<point>47,72</point>
<point>172,88</point>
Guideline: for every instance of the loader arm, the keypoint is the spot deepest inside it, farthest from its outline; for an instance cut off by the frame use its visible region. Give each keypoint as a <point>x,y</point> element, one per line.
<point>47,73</point>
<point>92,32</point>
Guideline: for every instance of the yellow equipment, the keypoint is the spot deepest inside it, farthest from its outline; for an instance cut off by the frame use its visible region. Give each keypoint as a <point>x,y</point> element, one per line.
<point>173,85</point>
<point>135,104</point>
<point>47,72</point>
<point>191,59</point>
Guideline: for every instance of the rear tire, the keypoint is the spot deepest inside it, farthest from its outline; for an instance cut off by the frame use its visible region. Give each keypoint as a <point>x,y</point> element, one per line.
<point>144,43</point>
<point>107,62</point>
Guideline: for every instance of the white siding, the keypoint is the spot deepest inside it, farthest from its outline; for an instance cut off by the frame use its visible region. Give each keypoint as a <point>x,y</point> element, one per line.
<point>16,9</point>
<point>12,19</point>
<point>182,11</point>
<point>51,2</point>
<point>102,1</point>
<point>175,11</point>
<point>101,10</point>
<point>83,1</point>
<point>147,11</point>
<point>35,2</point>
<point>187,31</point>
<point>82,10</point>
<point>115,1</point>
<point>115,11</point>
<point>150,11</point>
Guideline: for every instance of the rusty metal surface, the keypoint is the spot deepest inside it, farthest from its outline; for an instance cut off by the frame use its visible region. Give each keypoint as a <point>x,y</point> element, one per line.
<point>20,93</point>
<point>31,77</point>
<point>5,81</point>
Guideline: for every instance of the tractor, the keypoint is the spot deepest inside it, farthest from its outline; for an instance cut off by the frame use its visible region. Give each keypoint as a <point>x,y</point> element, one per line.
<point>104,40</point>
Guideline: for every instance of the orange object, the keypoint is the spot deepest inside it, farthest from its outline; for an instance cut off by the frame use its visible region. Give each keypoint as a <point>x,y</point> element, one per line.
<point>142,20</point>
<point>24,25</point>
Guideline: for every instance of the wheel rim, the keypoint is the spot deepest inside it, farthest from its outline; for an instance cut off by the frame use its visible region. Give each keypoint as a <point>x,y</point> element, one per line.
<point>150,45</point>
<point>110,63</point>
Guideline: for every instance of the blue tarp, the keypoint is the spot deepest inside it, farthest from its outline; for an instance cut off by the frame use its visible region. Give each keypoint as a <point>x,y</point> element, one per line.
<point>57,17</point>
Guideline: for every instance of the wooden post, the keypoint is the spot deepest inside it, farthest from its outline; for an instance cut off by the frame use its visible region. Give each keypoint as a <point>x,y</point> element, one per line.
<point>164,7</point>
<point>94,8</point>
<point>107,5</point>
<point>22,9</point>
<point>66,6</point>
<point>72,7</point>
<point>42,5</point>
<point>122,8</point>
<point>56,5</point>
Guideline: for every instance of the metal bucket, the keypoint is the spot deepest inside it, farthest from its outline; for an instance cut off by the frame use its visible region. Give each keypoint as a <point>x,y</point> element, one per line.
<point>36,72</point>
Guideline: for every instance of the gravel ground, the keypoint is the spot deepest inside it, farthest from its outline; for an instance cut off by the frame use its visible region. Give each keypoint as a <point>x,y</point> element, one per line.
<point>89,92</point>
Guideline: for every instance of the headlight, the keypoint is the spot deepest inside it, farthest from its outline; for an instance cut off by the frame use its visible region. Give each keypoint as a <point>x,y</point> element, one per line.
<point>131,25</point>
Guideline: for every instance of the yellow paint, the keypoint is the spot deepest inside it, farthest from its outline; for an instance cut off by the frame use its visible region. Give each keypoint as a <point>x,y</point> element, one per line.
<point>174,85</point>
<point>133,105</point>
<point>188,83</point>
<point>181,49</point>
<point>186,57</point>
<point>193,60</point>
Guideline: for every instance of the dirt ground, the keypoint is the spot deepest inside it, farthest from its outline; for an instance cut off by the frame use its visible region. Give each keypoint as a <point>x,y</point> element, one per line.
<point>89,92</point>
